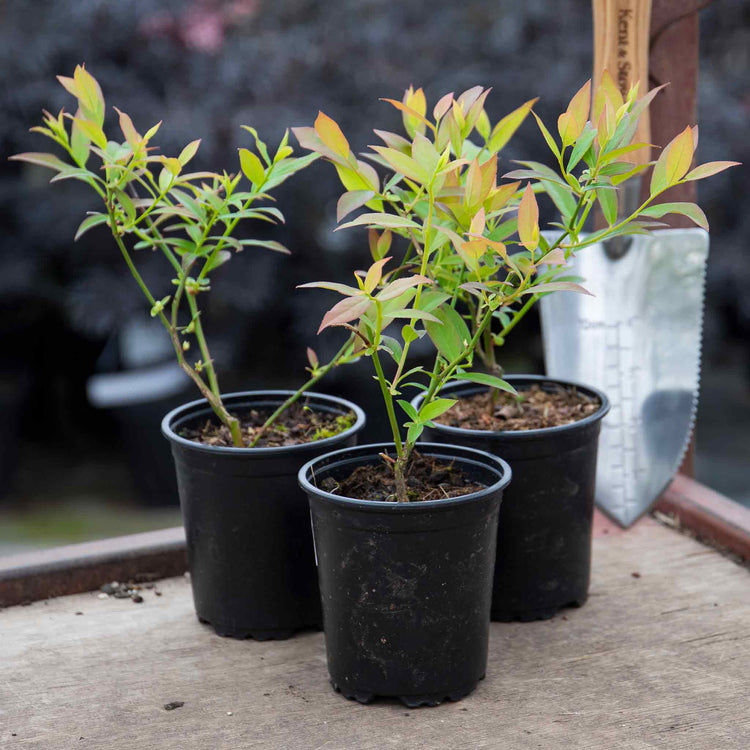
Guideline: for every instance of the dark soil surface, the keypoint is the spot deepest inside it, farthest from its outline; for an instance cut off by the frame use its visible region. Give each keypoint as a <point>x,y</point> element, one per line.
<point>427,479</point>
<point>297,425</point>
<point>536,408</point>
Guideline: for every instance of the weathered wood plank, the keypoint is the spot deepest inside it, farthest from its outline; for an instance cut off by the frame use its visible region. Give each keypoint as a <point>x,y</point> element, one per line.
<point>656,661</point>
<point>59,571</point>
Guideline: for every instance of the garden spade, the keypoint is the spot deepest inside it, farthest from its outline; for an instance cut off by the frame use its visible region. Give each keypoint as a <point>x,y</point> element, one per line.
<point>639,337</point>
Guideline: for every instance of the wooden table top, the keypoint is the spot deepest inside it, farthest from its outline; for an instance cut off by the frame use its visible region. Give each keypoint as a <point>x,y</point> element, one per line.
<point>660,659</point>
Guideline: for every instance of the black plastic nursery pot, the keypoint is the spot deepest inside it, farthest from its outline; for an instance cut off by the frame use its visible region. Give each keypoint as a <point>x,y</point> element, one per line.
<point>544,539</point>
<point>247,523</point>
<point>406,587</point>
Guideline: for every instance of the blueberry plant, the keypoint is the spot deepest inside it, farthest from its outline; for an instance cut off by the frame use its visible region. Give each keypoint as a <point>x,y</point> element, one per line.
<point>152,202</point>
<point>471,259</point>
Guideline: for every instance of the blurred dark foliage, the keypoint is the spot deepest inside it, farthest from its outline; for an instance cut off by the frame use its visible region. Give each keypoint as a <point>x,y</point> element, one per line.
<point>205,68</point>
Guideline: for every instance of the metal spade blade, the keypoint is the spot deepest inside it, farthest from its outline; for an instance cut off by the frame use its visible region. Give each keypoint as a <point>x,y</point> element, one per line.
<point>639,340</point>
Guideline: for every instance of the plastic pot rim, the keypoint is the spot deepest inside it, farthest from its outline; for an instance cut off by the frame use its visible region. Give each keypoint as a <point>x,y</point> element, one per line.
<point>438,449</point>
<point>600,413</point>
<point>262,452</point>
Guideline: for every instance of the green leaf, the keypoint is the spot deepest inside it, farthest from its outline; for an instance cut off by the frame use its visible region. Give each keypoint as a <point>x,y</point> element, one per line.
<point>392,346</point>
<point>79,144</point>
<point>269,244</point>
<point>413,432</point>
<point>403,164</point>
<point>547,135</point>
<point>389,221</point>
<point>284,169</point>
<point>504,130</point>
<point>89,222</point>
<point>252,167</point>
<point>409,334</point>
<point>482,378</point>
<point>92,131</point>
<point>608,202</point>
<point>431,299</point>
<point>217,260</point>
<point>435,408</point>
<point>189,152</point>
<point>409,409</point>
<point>126,203</point>
<point>451,336</point>
<point>582,145</point>
<point>693,212</point>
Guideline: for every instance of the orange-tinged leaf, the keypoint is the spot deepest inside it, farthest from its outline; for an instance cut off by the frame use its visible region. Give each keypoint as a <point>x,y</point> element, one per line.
<point>331,135</point>
<point>579,105</point>
<point>132,136</point>
<point>472,251</point>
<point>608,91</point>
<point>379,243</point>
<point>679,156</point>
<point>412,112</point>
<point>374,274</point>
<point>478,223</point>
<point>498,198</point>
<point>710,168</point>
<point>528,219</point>
<point>473,194</point>
<point>489,176</point>
<point>384,242</point>
<point>310,140</point>
<point>312,357</point>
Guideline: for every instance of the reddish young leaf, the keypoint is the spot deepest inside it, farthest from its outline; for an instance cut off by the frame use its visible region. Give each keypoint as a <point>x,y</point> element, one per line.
<point>399,286</point>
<point>330,133</point>
<point>345,311</point>
<point>443,105</point>
<point>350,201</point>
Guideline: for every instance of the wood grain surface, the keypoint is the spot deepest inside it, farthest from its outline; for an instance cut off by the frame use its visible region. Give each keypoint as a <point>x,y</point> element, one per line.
<point>657,660</point>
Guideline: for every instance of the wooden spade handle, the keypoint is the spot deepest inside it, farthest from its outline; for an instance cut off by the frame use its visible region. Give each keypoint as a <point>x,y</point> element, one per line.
<point>621,46</point>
